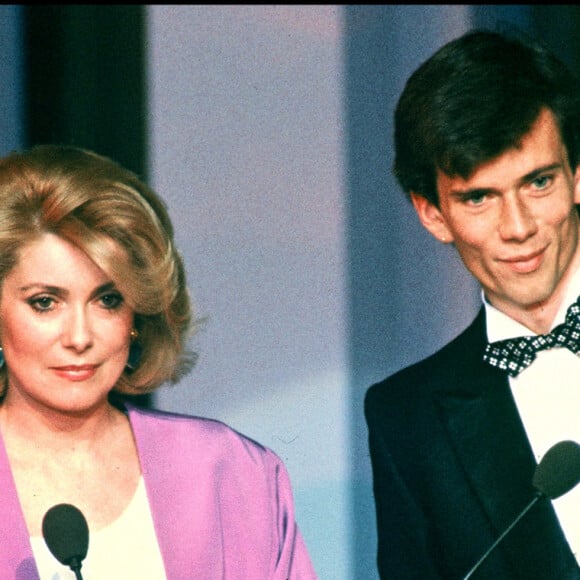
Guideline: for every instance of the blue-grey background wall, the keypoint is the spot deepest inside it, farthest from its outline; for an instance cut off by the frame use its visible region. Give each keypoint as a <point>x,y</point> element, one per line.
<point>270,137</point>
<point>11,73</point>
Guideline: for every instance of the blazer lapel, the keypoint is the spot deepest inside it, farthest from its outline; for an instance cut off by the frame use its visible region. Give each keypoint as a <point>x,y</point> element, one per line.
<point>16,559</point>
<point>159,455</point>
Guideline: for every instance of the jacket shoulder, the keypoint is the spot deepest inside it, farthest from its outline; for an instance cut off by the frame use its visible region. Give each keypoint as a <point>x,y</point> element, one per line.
<point>191,434</point>
<point>458,357</point>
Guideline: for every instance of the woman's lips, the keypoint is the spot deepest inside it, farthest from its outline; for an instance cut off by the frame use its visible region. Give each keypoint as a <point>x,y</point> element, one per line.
<point>76,372</point>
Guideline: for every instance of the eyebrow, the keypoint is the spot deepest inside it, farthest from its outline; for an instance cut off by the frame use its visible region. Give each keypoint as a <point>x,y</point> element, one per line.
<point>58,291</point>
<point>481,191</point>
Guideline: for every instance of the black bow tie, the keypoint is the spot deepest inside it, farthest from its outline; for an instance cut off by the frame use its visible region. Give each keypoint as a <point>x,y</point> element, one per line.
<point>516,354</point>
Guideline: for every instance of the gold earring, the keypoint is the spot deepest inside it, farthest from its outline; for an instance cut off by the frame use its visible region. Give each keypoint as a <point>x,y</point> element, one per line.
<point>134,334</point>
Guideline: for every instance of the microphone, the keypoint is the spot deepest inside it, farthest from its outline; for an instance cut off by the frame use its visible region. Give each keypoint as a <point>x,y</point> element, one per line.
<point>557,473</point>
<point>66,534</point>
<point>559,470</point>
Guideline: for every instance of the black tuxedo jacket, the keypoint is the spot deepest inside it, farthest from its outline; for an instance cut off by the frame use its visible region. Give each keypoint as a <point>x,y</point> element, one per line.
<point>452,468</point>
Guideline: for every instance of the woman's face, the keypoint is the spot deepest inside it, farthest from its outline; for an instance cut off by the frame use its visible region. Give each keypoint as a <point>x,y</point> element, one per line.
<point>65,329</point>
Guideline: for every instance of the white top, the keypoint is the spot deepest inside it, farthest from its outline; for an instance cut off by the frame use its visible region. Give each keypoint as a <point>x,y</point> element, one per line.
<point>127,548</point>
<point>547,395</point>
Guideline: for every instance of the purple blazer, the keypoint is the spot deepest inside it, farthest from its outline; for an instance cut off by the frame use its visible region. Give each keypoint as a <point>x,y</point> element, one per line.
<point>221,504</point>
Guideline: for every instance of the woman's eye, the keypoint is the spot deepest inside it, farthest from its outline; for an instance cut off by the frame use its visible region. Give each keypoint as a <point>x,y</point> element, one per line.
<point>42,303</point>
<point>112,300</point>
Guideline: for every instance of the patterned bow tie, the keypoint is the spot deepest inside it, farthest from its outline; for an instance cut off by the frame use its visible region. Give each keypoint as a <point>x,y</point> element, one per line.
<point>516,354</point>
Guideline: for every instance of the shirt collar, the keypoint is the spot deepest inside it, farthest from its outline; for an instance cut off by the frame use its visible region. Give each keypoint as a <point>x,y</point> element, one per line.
<point>500,326</point>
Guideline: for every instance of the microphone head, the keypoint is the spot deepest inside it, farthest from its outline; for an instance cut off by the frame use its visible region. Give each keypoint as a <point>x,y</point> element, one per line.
<point>559,470</point>
<point>66,533</point>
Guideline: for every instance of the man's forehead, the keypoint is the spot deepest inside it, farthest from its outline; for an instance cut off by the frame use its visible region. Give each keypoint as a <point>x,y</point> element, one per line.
<point>541,146</point>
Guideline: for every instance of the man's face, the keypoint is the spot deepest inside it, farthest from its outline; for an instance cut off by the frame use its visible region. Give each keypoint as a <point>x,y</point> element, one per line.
<point>514,221</point>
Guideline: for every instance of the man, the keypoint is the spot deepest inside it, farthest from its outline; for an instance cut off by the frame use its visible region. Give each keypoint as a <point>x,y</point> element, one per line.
<point>487,148</point>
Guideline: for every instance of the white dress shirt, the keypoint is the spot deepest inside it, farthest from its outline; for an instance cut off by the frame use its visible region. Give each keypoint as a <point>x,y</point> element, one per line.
<point>547,395</point>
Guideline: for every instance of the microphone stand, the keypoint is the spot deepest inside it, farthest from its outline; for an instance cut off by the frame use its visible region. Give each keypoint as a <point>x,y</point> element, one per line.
<point>537,497</point>
<point>75,565</point>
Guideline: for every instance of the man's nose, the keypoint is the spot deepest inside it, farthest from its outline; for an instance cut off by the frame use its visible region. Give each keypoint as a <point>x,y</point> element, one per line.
<point>517,221</point>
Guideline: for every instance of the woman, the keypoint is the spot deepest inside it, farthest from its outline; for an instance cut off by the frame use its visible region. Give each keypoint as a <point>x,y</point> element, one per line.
<point>94,306</point>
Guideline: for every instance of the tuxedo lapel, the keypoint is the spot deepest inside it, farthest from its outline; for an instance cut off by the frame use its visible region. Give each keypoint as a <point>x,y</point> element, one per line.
<point>486,433</point>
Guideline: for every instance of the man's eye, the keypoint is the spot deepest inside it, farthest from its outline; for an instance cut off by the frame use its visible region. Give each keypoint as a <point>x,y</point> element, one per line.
<point>542,182</point>
<point>476,199</point>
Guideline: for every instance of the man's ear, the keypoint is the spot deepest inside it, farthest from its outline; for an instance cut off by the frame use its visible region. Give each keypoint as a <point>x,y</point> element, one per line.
<point>431,218</point>
<point>577,185</point>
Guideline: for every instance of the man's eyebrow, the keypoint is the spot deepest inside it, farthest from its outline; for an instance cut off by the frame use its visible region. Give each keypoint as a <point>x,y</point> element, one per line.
<point>537,172</point>
<point>469,193</point>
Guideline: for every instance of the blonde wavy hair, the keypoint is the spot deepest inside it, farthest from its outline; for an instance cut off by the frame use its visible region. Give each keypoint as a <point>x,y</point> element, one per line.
<point>123,226</point>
